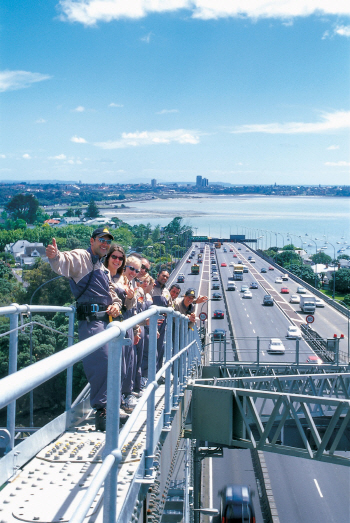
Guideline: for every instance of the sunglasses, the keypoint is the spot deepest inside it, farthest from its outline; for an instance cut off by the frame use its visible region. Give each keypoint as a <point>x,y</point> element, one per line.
<point>144,268</point>
<point>103,240</point>
<point>114,257</point>
<point>133,269</point>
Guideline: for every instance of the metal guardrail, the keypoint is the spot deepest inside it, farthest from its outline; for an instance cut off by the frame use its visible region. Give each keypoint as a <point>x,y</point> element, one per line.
<point>182,357</point>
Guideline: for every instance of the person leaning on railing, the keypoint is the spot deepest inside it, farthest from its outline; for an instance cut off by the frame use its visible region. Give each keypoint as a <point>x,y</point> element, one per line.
<point>97,305</point>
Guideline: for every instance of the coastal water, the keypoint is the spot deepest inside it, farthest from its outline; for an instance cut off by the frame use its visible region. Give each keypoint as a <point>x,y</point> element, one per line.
<point>278,220</point>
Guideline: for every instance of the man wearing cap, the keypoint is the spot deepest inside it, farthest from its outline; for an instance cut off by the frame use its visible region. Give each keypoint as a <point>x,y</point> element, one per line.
<point>185,305</point>
<point>97,303</point>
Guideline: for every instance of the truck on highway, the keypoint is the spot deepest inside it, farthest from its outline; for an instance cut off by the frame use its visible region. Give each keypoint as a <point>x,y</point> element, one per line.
<point>195,269</point>
<point>238,272</point>
<point>308,303</point>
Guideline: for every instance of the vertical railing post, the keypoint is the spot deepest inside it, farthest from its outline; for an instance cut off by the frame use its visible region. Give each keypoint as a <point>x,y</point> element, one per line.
<point>258,350</point>
<point>297,351</point>
<point>13,351</point>
<point>182,344</point>
<point>186,355</point>
<point>176,362</point>
<point>152,356</point>
<point>115,348</point>
<point>69,384</point>
<point>168,351</point>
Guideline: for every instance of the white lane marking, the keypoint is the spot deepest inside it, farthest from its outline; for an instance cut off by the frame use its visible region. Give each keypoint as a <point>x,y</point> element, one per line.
<point>318,488</point>
<point>250,323</point>
<point>254,331</point>
<point>247,315</point>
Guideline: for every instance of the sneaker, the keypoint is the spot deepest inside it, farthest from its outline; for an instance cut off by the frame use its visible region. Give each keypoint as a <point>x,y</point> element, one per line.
<point>161,380</point>
<point>100,420</point>
<point>123,416</point>
<point>130,401</point>
<point>136,394</point>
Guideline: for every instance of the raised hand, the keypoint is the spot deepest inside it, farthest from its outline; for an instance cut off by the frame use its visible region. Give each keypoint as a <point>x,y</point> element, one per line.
<point>52,250</point>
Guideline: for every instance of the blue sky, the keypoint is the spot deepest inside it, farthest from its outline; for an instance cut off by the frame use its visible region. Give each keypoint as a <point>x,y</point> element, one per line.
<point>243,91</point>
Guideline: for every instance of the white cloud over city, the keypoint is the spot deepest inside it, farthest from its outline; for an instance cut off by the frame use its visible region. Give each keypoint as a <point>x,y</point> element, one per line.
<point>78,139</point>
<point>14,80</point>
<point>89,12</point>
<point>137,139</point>
<point>328,122</point>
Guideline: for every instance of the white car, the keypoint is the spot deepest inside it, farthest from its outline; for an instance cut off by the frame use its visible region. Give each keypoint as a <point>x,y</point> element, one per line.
<point>276,346</point>
<point>294,298</point>
<point>293,332</point>
<point>301,290</point>
<point>252,260</point>
<point>319,302</point>
<point>247,294</point>
<point>244,288</point>
<point>278,280</point>
<point>231,264</point>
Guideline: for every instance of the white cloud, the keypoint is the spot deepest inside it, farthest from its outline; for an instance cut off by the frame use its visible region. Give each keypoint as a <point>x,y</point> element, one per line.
<point>167,111</point>
<point>115,105</point>
<point>40,120</point>
<point>13,80</point>
<point>181,136</point>
<point>343,30</point>
<point>2,155</point>
<point>147,38</point>
<point>78,139</point>
<point>338,164</point>
<point>332,147</point>
<point>26,156</point>
<point>329,122</point>
<point>79,109</point>
<point>89,12</point>
<point>58,157</point>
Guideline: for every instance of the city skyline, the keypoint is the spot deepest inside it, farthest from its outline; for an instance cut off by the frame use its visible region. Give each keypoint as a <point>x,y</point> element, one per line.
<point>115,91</point>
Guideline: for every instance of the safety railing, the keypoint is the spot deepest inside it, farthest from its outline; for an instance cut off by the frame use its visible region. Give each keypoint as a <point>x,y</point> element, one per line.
<point>182,359</point>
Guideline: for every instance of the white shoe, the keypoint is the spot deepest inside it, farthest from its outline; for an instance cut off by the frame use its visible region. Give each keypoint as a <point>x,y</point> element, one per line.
<point>130,401</point>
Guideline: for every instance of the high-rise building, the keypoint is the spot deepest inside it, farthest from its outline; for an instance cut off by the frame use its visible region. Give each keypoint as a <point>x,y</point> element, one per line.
<point>199,181</point>
<point>153,183</point>
<point>205,182</point>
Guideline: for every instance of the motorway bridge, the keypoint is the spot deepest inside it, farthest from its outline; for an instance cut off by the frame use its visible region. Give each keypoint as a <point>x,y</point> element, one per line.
<point>231,413</point>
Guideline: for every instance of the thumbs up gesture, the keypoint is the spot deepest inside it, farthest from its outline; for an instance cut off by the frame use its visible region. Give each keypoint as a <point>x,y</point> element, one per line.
<point>52,250</point>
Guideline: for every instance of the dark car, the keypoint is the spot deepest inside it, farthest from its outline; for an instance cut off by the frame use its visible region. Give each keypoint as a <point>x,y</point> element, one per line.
<point>267,299</point>
<point>217,296</point>
<point>218,314</point>
<point>254,285</point>
<point>219,334</point>
<point>215,286</point>
<point>181,278</point>
<point>236,504</point>
<point>263,269</point>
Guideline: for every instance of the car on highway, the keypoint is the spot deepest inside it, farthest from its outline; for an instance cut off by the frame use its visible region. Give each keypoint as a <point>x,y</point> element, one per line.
<point>239,248</point>
<point>252,260</point>
<point>285,277</point>
<point>215,286</point>
<point>231,286</point>
<point>217,296</point>
<point>247,294</point>
<point>276,346</point>
<point>225,250</point>
<point>271,268</point>
<point>188,261</point>
<point>213,261</point>
<point>278,280</point>
<point>263,269</point>
<point>223,264</point>
<point>301,290</point>
<point>294,298</point>
<point>231,250</point>
<point>284,290</point>
<point>180,278</point>
<point>293,332</point>
<point>244,288</point>
<point>235,255</point>
<point>215,277</point>
<point>219,334</point>
<point>250,257</point>
<point>231,264</point>
<point>245,269</point>
<point>313,358</point>
<point>200,260</point>
<point>218,314</point>
<point>236,504</point>
<point>254,285</point>
<point>268,299</point>
<point>319,302</point>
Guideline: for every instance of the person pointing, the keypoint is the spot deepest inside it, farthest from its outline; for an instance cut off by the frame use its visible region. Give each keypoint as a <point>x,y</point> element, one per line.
<point>97,304</point>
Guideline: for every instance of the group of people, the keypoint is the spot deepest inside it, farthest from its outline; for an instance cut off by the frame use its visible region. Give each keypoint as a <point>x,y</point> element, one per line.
<point>108,285</point>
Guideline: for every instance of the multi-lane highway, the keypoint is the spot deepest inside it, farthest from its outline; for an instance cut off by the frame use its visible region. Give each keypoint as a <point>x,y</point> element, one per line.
<point>303,491</point>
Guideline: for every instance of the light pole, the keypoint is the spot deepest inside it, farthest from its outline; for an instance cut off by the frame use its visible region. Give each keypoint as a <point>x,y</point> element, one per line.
<point>315,263</point>
<point>333,268</point>
<point>282,238</point>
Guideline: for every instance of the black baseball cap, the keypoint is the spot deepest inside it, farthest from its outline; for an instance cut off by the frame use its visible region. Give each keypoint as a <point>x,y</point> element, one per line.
<point>102,231</point>
<point>190,292</point>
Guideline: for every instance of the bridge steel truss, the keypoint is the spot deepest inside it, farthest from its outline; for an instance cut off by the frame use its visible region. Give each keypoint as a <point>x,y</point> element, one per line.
<point>303,415</point>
